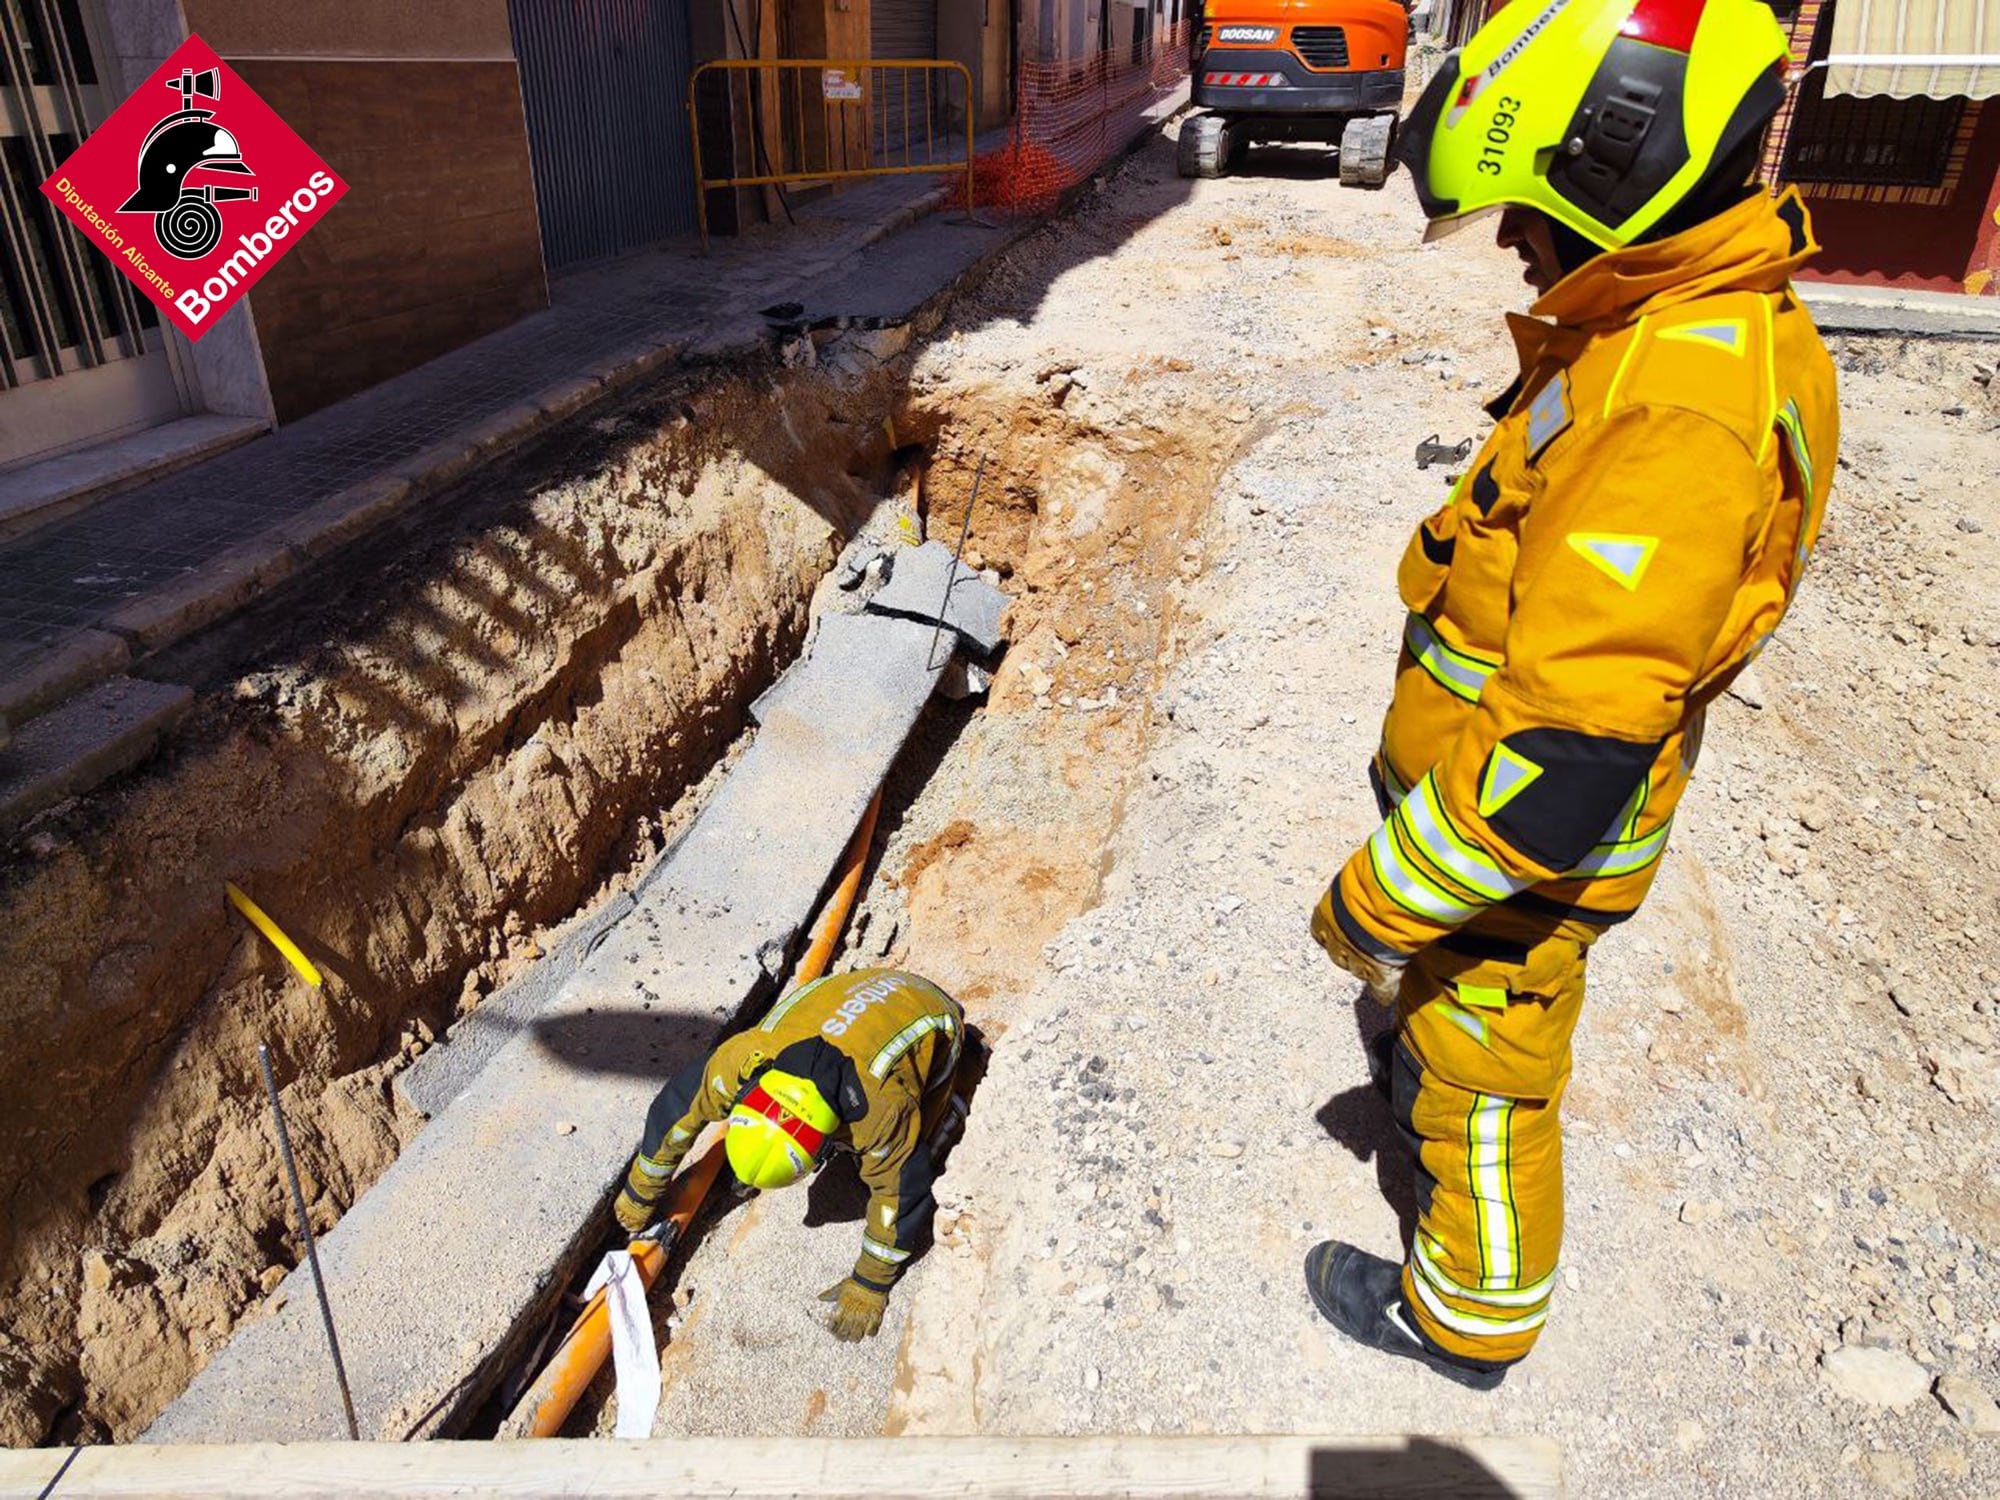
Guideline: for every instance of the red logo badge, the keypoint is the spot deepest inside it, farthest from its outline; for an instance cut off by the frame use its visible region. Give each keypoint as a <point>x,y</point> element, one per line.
<point>194,187</point>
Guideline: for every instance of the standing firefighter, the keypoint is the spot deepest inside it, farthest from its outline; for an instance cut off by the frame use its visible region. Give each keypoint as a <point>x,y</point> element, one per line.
<point>862,1060</point>
<point>1627,540</point>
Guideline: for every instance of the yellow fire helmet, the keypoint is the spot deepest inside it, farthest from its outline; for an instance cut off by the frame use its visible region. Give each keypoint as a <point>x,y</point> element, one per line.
<point>1603,114</point>
<point>779,1130</point>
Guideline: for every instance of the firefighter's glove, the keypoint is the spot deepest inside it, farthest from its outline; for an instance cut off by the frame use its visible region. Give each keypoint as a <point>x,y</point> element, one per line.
<point>1382,976</point>
<point>645,1180</point>
<point>633,1216</point>
<point>857,1312</point>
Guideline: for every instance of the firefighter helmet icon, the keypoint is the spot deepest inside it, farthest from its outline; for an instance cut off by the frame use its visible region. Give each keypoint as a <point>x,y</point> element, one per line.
<point>187,141</point>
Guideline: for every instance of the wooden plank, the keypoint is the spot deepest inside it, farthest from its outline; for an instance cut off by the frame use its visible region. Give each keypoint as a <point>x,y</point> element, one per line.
<point>912,1468</point>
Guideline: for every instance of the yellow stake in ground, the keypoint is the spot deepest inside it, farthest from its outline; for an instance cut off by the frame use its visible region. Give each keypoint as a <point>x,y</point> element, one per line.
<point>272,931</point>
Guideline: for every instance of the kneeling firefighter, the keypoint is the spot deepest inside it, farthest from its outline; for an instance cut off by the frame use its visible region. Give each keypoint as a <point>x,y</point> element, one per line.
<point>861,1061</point>
<point>1626,541</point>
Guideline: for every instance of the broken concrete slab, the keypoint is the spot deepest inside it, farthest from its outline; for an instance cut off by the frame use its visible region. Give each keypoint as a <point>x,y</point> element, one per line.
<point>71,749</point>
<point>856,351</point>
<point>916,588</point>
<point>443,1270</point>
<point>964,679</point>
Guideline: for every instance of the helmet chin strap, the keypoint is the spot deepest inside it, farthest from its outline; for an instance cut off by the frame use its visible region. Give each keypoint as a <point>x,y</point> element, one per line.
<point>1725,187</point>
<point>1573,251</point>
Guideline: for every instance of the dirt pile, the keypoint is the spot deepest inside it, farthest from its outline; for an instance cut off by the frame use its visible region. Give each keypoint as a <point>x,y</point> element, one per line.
<point>415,776</point>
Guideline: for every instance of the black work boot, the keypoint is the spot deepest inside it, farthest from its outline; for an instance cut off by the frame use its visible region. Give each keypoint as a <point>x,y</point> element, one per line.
<point>1362,1296</point>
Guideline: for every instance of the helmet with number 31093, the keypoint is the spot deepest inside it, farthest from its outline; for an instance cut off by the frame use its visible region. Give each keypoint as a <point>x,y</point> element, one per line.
<point>1605,115</point>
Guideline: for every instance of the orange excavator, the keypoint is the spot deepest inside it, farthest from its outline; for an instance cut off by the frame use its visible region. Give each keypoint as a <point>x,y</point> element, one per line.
<point>1297,70</point>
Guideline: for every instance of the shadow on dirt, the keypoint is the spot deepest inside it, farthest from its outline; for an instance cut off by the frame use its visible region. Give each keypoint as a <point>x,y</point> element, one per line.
<point>1361,1121</point>
<point>1423,1467</point>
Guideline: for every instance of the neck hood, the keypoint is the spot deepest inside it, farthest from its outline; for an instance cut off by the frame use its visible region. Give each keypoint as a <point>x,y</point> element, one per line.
<point>1755,246</point>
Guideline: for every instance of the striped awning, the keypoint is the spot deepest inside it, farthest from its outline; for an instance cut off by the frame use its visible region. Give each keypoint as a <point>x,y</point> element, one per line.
<point>1903,48</point>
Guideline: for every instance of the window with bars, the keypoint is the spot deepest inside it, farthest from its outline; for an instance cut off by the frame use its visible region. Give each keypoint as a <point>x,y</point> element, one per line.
<point>1880,142</point>
<point>63,306</point>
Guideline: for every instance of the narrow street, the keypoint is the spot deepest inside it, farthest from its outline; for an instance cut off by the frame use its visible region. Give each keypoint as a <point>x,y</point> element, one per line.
<point>1199,404</point>
<point>539,537</point>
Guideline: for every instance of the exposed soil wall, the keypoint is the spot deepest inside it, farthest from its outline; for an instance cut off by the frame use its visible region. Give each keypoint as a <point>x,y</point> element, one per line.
<point>414,775</point>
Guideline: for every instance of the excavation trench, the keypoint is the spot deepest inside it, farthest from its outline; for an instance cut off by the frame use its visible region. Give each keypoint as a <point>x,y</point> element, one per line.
<point>993,836</point>
<point>494,724</point>
<point>495,727</point>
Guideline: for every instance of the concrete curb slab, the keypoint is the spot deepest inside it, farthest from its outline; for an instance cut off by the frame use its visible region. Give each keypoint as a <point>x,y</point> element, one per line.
<point>217,588</point>
<point>94,736</point>
<point>624,365</point>
<point>438,465</point>
<point>52,673</point>
<point>568,397</point>
<point>1889,310</point>
<point>1086,1466</point>
<point>339,519</point>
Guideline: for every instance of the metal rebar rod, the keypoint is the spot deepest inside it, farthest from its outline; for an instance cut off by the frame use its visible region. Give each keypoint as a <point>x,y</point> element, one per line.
<point>305,1230</point>
<point>951,572</point>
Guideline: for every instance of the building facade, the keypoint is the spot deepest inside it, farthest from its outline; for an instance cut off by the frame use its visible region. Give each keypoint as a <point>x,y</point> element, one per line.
<point>1892,137</point>
<point>419,108</point>
<point>488,145</point>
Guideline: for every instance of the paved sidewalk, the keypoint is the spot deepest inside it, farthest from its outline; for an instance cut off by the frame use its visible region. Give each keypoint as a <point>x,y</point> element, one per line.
<point>82,597</point>
<point>1892,310</point>
<point>97,592</point>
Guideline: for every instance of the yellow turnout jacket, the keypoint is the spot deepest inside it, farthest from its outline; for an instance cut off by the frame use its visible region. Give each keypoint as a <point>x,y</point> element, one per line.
<point>1627,539</point>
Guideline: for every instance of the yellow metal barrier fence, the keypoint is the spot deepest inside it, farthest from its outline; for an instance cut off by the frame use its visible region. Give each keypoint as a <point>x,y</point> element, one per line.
<point>821,119</point>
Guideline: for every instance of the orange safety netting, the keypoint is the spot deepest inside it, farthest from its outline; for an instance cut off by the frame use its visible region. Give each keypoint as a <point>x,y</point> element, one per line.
<point>1072,117</point>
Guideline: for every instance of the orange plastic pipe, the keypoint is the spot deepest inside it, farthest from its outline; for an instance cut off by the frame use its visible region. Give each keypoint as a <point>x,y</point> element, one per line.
<point>587,1345</point>
<point>833,917</point>
<point>584,1349</point>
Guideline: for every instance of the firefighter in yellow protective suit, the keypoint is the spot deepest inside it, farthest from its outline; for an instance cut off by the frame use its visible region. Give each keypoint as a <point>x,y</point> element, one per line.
<point>864,1061</point>
<point>1625,542</point>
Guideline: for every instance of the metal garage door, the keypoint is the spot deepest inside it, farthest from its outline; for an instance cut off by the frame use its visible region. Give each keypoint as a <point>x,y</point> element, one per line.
<point>604,84</point>
<point>903,29</point>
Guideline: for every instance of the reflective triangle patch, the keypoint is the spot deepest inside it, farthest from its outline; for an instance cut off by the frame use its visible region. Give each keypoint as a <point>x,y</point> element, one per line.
<point>1507,776</point>
<point>1621,558</point>
<point>1549,416</point>
<point>1722,333</point>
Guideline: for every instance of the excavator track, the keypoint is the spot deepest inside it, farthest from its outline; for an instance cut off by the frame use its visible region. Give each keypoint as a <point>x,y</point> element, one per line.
<point>1204,147</point>
<point>1365,150</point>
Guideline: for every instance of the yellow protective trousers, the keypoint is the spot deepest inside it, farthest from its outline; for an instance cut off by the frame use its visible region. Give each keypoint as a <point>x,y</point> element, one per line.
<point>1481,1062</point>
